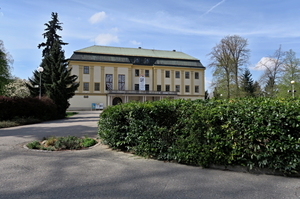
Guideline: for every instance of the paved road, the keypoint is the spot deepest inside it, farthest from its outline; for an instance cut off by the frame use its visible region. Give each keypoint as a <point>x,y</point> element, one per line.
<point>102,173</point>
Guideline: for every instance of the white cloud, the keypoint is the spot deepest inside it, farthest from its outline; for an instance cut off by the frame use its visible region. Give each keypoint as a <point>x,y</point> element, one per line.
<point>106,39</point>
<point>98,17</point>
<point>265,62</point>
<point>133,42</point>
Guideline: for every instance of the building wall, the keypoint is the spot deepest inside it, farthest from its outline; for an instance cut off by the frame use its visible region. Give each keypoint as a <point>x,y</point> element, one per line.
<point>157,76</point>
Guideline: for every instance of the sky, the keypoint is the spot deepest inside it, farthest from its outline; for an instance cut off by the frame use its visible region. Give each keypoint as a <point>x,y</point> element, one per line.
<point>190,26</point>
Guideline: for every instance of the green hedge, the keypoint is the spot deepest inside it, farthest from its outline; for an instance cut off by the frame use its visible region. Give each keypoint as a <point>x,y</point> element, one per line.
<point>260,132</point>
<point>15,107</point>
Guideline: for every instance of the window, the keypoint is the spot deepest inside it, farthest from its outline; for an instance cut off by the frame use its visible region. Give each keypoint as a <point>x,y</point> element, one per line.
<point>177,74</point>
<point>109,82</point>
<point>196,75</point>
<point>167,74</point>
<point>136,87</point>
<point>196,89</point>
<point>86,86</point>
<point>187,75</point>
<point>121,83</point>
<point>147,87</point>
<point>86,70</point>
<point>146,73</point>
<point>137,72</point>
<point>167,87</point>
<point>158,88</point>
<point>177,88</point>
<point>97,87</point>
<point>187,89</point>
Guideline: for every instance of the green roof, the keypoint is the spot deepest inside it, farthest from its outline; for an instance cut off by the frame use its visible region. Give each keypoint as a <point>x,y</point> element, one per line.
<point>140,52</point>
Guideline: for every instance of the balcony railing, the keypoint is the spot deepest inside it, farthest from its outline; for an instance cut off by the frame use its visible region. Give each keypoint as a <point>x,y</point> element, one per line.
<point>131,92</point>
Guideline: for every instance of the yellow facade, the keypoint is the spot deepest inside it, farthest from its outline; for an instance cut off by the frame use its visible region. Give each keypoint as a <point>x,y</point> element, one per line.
<point>111,82</point>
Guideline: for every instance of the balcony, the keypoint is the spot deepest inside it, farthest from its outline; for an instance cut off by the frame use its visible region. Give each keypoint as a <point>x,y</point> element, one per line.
<point>138,92</point>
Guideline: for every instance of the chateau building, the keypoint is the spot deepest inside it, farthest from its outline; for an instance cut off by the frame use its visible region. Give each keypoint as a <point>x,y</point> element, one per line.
<point>112,75</point>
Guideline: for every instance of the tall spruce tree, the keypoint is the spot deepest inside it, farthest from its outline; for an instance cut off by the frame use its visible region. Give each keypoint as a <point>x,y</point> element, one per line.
<point>57,82</point>
<point>247,85</point>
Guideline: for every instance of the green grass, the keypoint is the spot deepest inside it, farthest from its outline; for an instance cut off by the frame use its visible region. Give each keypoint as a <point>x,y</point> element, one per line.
<point>69,114</point>
<point>18,122</point>
<point>25,121</point>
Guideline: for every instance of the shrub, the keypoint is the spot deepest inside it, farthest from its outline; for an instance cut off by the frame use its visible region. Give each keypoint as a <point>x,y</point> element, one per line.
<point>88,142</point>
<point>258,132</point>
<point>15,107</point>
<point>34,145</point>
<point>69,142</point>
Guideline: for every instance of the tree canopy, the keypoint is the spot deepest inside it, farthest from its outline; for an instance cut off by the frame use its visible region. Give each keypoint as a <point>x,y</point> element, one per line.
<point>6,62</point>
<point>227,57</point>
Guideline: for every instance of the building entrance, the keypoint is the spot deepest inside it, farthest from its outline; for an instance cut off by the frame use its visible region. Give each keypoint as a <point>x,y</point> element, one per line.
<point>117,100</point>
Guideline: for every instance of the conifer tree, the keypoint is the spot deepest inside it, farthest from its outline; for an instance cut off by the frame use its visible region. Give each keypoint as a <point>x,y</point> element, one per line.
<point>247,85</point>
<point>57,82</point>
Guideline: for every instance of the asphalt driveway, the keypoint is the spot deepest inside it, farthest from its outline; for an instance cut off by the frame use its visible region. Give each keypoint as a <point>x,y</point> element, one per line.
<point>102,173</point>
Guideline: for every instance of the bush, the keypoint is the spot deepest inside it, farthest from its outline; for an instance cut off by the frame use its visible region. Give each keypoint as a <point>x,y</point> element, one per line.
<point>88,142</point>
<point>34,145</point>
<point>69,142</point>
<point>42,109</point>
<point>258,132</point>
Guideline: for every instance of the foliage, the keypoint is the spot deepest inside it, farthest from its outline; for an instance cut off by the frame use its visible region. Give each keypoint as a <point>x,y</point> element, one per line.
<point>62,143</point>
<point>5,68</point>
<point>14,108</point>
<point>254,132</point>
<point>57,82</point>
<point>69,142</point>
<point>88,142</point>
<point>17,88</point>
<point>34,145</point>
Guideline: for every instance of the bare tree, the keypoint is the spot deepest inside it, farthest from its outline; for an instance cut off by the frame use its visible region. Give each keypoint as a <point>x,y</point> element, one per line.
<point>274,66</point>
<point>229,55</point>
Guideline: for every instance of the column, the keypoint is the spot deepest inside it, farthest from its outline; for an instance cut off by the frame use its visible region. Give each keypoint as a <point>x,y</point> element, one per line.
<point>80,88</point>
<point>115,77</point>
<point>192,83</point>
<point>92,78</point>
<point>102,80</point>
<point>182,86</point>
<point>172,86</point>
<point>129,78</point>
<point>163,88</point>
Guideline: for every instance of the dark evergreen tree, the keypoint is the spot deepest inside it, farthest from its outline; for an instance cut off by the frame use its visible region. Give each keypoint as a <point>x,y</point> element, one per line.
<point>247,85</point>
<point>61,86</point>
<point>51,36</point>
<point>57,82</point>
<point>206,95</point>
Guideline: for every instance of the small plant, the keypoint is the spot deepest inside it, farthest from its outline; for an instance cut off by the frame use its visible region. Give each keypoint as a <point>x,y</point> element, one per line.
<point>70,142</point>
<point>88,142</point>
<point>62,143</point>
<point>50,141</point>
<point>34,145</point>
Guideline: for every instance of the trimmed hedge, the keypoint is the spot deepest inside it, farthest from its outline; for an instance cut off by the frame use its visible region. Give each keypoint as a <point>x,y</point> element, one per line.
<point>15,107</point>
<point>258,132</point>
